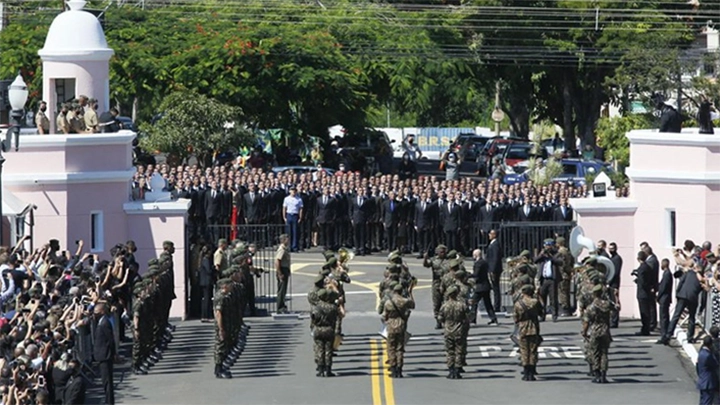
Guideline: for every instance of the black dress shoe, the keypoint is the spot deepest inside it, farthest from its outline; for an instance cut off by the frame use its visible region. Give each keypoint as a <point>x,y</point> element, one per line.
<point>493,322</point>
<point>641,333</point>
<point>438,326</point>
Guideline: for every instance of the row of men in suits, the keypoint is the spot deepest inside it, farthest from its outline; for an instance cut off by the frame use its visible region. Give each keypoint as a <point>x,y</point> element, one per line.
<point>368,214</point>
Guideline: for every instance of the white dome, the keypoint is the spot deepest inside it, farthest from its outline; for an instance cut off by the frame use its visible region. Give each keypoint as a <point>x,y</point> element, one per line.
<point>76,34</point>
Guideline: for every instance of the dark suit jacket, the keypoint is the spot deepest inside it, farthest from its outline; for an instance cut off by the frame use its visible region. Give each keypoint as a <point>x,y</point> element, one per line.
<point>104,342</point>
<point>250,207</point>
<point>494,257</point>
<point>652,261</point>
<point>390,212</point>
<point>644,282</point>
<point>530,216</point>
<point>618,262</point>
<point>361,214</point>
<point>325,213</point>
<point>213,206</point>
<point>664,292</point>
<point>452,217</point>
<point>74,391</point>
<point>486,218</point>
<point>707,370</point>
<point>206,273</point>
<point>469,213</point>
<point>480,274</point>
<point>557,264</point>
<point>422,218</point>
<point>689,287</point>
<point>559,217</point>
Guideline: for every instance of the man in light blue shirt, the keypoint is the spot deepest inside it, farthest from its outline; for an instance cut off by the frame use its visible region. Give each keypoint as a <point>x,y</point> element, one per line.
<point>292,214</point>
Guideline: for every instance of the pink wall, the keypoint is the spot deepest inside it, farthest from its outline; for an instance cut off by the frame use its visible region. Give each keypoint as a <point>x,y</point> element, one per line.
<point>149,230</point>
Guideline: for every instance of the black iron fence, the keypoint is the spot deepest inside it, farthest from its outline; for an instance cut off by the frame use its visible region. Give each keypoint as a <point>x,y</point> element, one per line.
<point>266,238</point>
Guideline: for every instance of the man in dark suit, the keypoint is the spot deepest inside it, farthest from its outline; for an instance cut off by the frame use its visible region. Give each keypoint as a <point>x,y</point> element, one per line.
<point>423,210</point>
<point>707,371</point>
<point>614,282</point>
<point>251,202</point>
<point>644,292</point>
<point>549,268</point>
<point>360,212</point>
<point>213,209</point>
<point>687,294</point>
<point>654,264</point>
<point>451,223</point>
<point>468,217</point>
<point>664,299</point>
<point>390,217</point>
<point>74,390</point>
<point>482,288</point>
<point>493,255</point>
<point>104,350</point>
<point>325,217</point>
<point>486,216</point>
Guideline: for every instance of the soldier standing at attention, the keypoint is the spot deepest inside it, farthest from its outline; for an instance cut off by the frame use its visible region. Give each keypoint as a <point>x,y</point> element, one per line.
<point>526,315</point>
<point>395,314</point>
<point>41,120</point>
<point>282,272</point>
<point>596,328</point>
<point>62,126</point>
<point>453,315</point>
<point>324,317</point>
<point>91,117</point>
<point>220,258</point>
<point>437,264</point>
<point>221,333</point>
<point>566,277</point>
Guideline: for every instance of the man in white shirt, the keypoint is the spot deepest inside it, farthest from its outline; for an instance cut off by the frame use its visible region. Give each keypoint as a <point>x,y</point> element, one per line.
<point>292,215</point>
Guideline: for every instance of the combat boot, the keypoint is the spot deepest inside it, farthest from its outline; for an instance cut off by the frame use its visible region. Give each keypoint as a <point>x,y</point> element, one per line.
<point>393,372</point>
<point>438,325</point>
<point>532,373</point>
<point>139,371</point>
<point>218,371</point>
<point>320,371</point>
<point>398,372</point>
<point>603,377</point>
<point>591,373</point>
<point>457,373</point>
<point>226,374</point>
<point>596,380</point>
<point>451,373</point>
<point>328,371</point>
<point>526,373</point>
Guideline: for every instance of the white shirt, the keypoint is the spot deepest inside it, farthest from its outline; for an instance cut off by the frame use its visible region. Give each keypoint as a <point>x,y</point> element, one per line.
<point>547,269</point>
<point>292,205</point>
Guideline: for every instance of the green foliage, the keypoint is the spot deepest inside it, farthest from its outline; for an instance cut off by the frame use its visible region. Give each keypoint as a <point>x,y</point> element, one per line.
<point>611,136</point>
<point>545,175</point>
<point>194,124</point>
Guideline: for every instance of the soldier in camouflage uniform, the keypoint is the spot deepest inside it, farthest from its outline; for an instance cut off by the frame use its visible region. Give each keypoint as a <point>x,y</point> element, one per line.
<point>222,332</point>
<point>454,316</point>
<point>596,329</point>
<point>395,314</point>
<point>466,291</point>
<point>526,314</point>
<point>141,337</point>
<point>567,275</point>
<point>324,317</point>
<point>448,278</point>
<point>438,265</point>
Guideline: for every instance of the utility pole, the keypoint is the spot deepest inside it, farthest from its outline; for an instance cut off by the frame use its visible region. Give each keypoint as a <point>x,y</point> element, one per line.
<point>497,115</point>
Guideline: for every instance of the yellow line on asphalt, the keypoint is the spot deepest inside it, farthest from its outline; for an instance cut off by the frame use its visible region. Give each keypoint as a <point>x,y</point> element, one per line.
<point>375,373</point>
<point>387,382</point>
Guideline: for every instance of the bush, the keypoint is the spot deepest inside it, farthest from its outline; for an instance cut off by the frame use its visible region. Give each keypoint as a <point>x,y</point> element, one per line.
<point>611,133</point>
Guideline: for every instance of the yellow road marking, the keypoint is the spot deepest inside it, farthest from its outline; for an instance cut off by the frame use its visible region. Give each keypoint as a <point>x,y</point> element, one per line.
<point>375,373</point>
<point>387,382</point>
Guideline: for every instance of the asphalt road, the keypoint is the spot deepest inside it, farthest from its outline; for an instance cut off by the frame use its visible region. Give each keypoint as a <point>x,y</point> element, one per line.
<point>277,365</point>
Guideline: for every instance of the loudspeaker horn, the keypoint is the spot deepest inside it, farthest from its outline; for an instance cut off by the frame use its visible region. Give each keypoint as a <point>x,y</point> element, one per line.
<point>578,242</point>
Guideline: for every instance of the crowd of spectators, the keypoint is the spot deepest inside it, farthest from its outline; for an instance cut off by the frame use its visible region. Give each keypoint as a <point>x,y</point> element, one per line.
<point>50,301</point>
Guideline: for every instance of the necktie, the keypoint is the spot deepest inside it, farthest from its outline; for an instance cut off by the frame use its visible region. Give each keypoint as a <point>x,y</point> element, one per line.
<point>527,210</point>
<point>392,206</point>
<point>252,197</point>
<point>325,200</point>
<point>563,211</point>
<point>423,206</point>
<point>450,207</point>
<point>359,201</point>
<point>213,194</point>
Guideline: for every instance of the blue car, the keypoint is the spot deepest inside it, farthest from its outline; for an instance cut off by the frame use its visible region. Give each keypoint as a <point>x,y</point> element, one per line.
<point>574,171</point>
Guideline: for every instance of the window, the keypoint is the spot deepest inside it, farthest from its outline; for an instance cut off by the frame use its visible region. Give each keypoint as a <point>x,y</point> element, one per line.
<point>97,232</point>
<point>569,170</point>
<point>671,227</point>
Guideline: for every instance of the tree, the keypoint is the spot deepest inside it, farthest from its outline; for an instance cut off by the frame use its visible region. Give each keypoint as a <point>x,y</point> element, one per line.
<point>193,124</point>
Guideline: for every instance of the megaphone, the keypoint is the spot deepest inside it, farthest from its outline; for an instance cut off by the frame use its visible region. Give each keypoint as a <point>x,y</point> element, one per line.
<point>578,242</point>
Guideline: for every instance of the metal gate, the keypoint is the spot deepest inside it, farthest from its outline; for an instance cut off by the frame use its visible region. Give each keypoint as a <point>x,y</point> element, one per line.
<point>514,237</point>
<point>266,238</point>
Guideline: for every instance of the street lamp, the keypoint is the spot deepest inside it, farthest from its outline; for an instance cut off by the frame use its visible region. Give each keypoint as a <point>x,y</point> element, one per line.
<point>18,95</point>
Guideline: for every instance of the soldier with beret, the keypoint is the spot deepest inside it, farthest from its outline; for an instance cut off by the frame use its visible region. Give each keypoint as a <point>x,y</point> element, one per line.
<point>395,315</point>
<point>526,313</point>
<point>438,266</point>
<point>454,316</point>
<point>596,329</point>
<point>324,317</point>
<point>222,332</point>
<point>568,264</point>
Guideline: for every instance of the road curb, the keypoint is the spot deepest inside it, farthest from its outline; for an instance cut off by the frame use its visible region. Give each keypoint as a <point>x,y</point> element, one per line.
<point>688,348</point>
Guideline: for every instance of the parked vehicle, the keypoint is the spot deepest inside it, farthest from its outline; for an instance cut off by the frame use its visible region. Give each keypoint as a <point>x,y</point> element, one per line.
<point>516,157</point>
<point>574,171</point>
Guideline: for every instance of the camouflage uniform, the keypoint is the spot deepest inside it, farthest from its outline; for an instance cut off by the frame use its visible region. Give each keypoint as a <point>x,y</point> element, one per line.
<point>395,314</point>
<point>596,326</point>
<point>324,316</point>
<point>438,265</point>
<point>566,281</point>
<point>222,332</point>
<point>453,314</point>
<point>526,313</point>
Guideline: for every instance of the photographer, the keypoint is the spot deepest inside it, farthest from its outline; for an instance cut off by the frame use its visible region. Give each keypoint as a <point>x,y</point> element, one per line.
<point>550,265</point>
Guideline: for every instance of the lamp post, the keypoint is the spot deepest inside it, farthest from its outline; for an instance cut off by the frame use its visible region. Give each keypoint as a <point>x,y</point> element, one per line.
<point>18,95</point>
<point>497,115</point>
